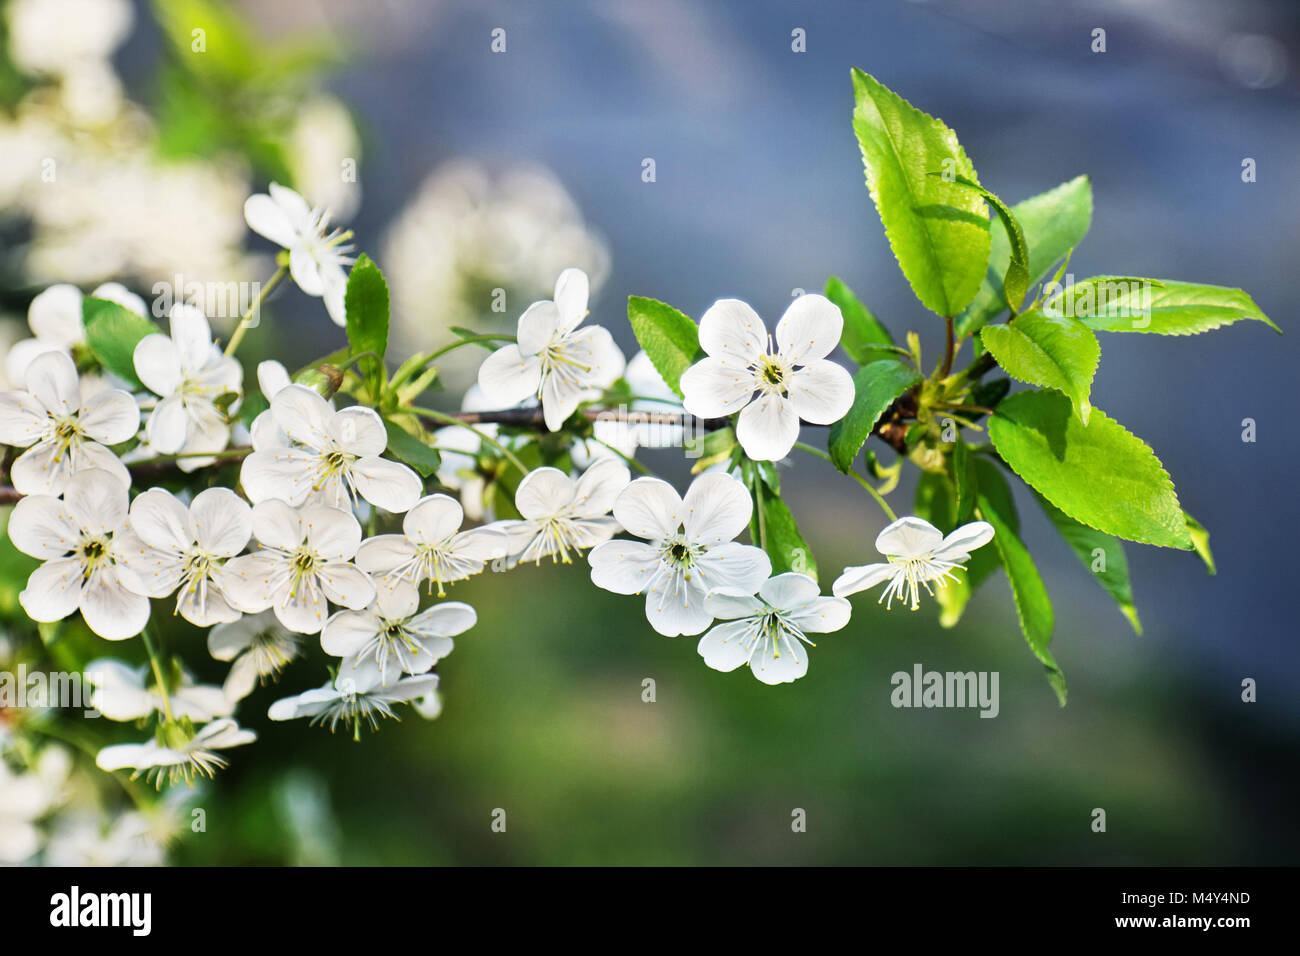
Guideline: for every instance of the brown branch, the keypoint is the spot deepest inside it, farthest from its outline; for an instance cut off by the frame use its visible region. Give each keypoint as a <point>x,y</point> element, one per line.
<point>891,428</point>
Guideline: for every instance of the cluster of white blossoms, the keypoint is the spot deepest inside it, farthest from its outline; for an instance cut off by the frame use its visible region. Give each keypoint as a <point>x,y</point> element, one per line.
<point>280,560</point>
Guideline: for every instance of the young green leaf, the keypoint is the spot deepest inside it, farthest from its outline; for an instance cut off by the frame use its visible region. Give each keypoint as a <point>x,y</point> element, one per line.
<point>876,385</point>
<point>937,229</point>
<point>1102,554</point>
<point>112,332</point>
<point>863,335</point>
<point>1160,306</point>
<point>1052,351</point>
<point>366,305</point>
<point>1201,542</point>
<point>965,482</point>
<point>1033,606</point>
<point>1101,475</point>
<point>405,447</point>
<point>670,338</point>
<point>784,545</point>
<point>1053,223</point>
<point>1015,281</point>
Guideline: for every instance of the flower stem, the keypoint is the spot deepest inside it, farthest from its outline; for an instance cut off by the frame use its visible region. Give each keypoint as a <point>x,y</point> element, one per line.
<point>468,340</point>
<point>880,499</point>
<point>483,436</point>
<point>246,322</point>
<point>158,675</point>
<point>812,451</point>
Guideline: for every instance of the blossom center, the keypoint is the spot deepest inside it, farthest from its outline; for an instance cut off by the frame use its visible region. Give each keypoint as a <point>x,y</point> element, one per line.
<point>680,555</point>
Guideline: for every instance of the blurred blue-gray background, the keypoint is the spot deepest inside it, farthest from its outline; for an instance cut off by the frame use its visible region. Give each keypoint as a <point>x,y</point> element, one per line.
<point>759,191</point>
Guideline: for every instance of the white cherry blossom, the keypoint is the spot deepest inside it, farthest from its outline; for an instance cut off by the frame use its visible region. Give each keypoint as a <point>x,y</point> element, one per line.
<point>562,514</point>
<point>331,457</point>
<point>188,373</point>
<point>772,388</point>
<point>554,360</point>
<point>317,255</point>
<point>26,797</point>
<point>81,540</point>
<point>259,647</point>
<point>183,550</point>
<point>55,319</point>
<point>432,547</point>
<point>688,549</point>
<point>122,693</point>
<point>919,556</point>
<point>768,631</point>
<point>181,756</point>
<point>62,433</point>
<point>304,562</point>
<point>395,634</point>
<point>358,694</point>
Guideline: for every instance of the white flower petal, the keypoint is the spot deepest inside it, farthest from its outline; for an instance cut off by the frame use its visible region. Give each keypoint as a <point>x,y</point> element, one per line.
<point>303,416</point>
<point>40,470</point>
<point>560,399</point>
<point>271,378</point>
<point>347,585</point>
<point>780,662</point>
<point>447,619</point>
<point>433,518</point>
<point>52,380</point>
<point>332,532</point>
<point>821,392</point>
<point>283,473</point>
<point>110,610</point>
<point>821,615</point>
<point>223,522</point>
<point>598,488</point>
<point>571,293</point>
<point>247,580</point>
<point>958,545</point>
<point>624,567</point>
<point>109,417</point>
<point>162,521</point>
<point>53,590</point>
<point>675,606</point>
<point>157,363</point>
<point>768,428</point>
<point>650,508</point>
<point>909,537</point>
<point>387,484</point>
<point>277,525</point>
<point>507,377</point>
<point>98,500</point>
<point>22,419</point>
<point>537,326</point>
<point>859,578</point>
<point>727,646</point>
<point>269,219</point>
<point>359,431</point>
<point>717,508</point>
<point>55,316</point>
<point>731,328</point>
<point>168,426</point>
<point>736,567</point>
<point>192,335</point>
<point>544,492</point>
<point>789,590</point>
<point>809,330</point>
<point>717,386</point>
<point>347,632</point>
<point>43,527</point>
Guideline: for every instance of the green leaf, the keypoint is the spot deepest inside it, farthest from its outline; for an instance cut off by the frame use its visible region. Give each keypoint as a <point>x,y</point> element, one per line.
<point>965,481</point>
<point>876,385</point>
<point>784,545</point>
<point>366,305</point>
<point>1053,223</point>
<point>670,338</point>
<point>863,335</point>
<point>1052,351</point>
<point>112,332</point>
<point>1102,554</point>
<point>1033,606</point>
<point>938,230</point>
<point>1201,542</point>
<point>405,447</point>
<point>1015,281</point>
<point>1160,306</point>
<point>1101,475</point>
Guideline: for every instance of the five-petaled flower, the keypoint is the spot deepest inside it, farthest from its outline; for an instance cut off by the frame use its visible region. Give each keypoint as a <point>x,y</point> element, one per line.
<point>431,547</point>
<point>357,694</point>
<point>395,634</point>
<point>768,631</point>
<point>688,549</point>
<point>182,754</point>
<point>82,540</point>
<point>185,550</point>
<point>317,255</point>
<point>554,360</point>
<point>330,456</point>
<point>562,514</point>
<point>919,556</point>
<point>189,374</point>
<point>304,562</point>
<point>772,390</point>
<point>63,435</point>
